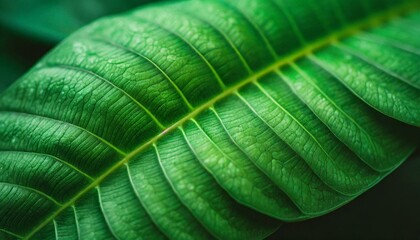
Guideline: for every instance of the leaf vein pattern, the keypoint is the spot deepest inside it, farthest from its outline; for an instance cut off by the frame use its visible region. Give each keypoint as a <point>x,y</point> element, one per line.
<point>137,194</point>
<point>172,186</point>
<point>229,134</point>
<point>259,116</point>
<point>96,75</point>
<point>328,69</point>
<point>375,65</point>
<point>261,88</point>
<point>76,219</point>
<point>227,39</point>
<point>216,146</point>
<point>206,61</point>
<point>291,21</point>
<point>155,64</point>
<point>256,27</point>
<point>311,82</point>
<point>104,215</point>
<point>55,229</point>
<point>245,152</point>
<point>33,190</point>
<point>11,233</point>
<point>61,161</point>
<point>373,21</point>
<point>69,124</point>
<point>375,38</point>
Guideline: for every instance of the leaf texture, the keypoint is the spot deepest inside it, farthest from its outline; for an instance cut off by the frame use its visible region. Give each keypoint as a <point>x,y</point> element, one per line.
<point>209,119</point>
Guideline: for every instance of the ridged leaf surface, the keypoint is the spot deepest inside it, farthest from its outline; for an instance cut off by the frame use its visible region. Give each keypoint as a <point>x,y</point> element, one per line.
<point>209,119</point>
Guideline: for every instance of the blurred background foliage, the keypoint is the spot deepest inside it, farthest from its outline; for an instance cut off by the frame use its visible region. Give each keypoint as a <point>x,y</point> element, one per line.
<point>391,210</point>
<point>52,20</point>
<point>29,28</point>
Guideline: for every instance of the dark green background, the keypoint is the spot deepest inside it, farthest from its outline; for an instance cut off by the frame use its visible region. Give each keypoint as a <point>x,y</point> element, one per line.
<point>390,210</point>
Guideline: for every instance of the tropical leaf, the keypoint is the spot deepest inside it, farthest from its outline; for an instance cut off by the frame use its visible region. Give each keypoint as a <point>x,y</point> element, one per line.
<point>209,119</point>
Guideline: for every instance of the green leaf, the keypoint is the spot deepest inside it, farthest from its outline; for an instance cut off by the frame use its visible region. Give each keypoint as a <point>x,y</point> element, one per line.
<point>209,119</point>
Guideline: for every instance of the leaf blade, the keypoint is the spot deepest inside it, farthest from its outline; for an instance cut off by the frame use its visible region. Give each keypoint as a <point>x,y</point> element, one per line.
<point>140,137</point>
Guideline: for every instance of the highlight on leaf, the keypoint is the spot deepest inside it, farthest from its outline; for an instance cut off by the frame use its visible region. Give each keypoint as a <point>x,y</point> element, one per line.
<point>209,119</point>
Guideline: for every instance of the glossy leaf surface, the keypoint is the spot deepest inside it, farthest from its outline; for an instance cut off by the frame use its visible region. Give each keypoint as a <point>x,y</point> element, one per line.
<point>206,119</point>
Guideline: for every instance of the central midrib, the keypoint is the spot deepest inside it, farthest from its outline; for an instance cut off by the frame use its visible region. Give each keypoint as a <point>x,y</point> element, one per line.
<point>352,29</point>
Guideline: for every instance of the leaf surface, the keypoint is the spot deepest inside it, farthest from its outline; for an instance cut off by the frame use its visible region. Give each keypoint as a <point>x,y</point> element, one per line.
<point>206,119</point>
